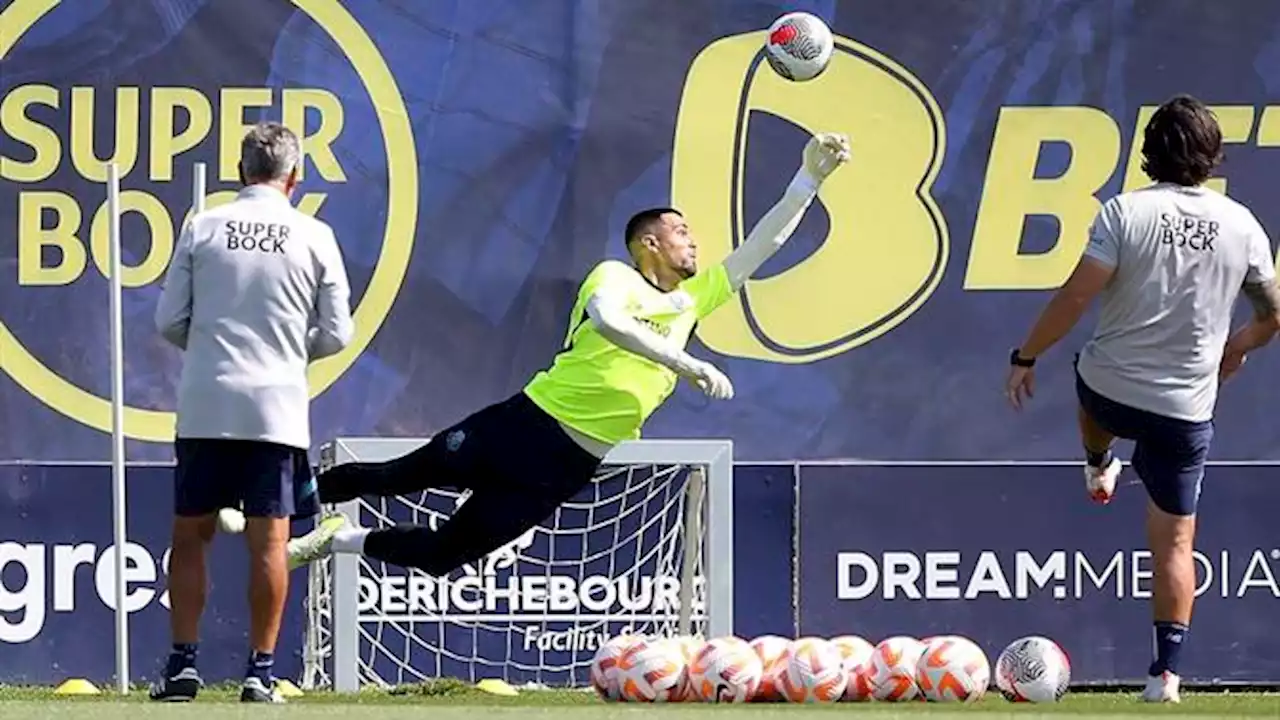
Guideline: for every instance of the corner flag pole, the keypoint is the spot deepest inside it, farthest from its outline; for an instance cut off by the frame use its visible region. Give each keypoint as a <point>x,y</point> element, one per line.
<point>117,426</point>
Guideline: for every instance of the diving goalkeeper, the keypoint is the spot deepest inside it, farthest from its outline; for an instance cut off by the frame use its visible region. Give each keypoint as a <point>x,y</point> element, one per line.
<point>623,354</point>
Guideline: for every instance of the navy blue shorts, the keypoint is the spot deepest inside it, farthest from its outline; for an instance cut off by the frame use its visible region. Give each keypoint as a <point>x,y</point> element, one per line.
<point>261,478</point>
<point>1168,454</point>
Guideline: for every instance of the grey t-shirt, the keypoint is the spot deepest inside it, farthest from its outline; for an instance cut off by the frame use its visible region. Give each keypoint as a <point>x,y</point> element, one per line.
<point>255,291</point>
<point>1181,255</point>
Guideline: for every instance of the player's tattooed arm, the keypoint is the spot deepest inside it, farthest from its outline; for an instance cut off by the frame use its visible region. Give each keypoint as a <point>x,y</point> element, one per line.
<point>1265,299</point>
<point>1264,296</point>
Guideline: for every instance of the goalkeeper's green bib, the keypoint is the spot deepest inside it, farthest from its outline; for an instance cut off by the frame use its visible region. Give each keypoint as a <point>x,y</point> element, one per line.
<point>603,391</point>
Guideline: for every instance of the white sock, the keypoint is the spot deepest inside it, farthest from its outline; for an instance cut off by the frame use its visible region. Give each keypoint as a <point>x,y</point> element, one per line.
<point>350,540</point>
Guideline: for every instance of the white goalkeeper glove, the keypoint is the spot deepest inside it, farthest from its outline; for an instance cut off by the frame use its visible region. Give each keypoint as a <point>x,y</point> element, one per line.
<point>824,153</point>
<point>708,378</point>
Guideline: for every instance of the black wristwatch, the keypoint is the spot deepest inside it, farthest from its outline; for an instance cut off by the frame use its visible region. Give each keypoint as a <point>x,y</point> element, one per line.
<point>1016,359</point>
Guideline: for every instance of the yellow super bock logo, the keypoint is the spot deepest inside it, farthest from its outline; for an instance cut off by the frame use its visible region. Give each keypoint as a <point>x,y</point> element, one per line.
<point>77,239</point>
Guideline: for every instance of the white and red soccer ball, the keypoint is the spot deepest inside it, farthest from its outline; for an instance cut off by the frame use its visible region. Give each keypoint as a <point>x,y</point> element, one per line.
<point>855,654</point>
<point>892,671</point>
<point>953,669</point>
<point>815,672</point>
<point>688,648</point>
<point>773,651</point>
<point>651,671</point>
<point>604,667</point>
<point>725,670</point>
<point>799,46</point>
<point>939,669</point>
<point>1033,669</point>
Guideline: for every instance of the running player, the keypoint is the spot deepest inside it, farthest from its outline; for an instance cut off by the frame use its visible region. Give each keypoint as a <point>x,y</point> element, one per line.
<point>1168,261</point>
<point>622,357</point>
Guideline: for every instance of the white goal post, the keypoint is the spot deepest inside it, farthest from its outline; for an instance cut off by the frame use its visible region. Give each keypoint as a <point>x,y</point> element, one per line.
<point>646,548</point>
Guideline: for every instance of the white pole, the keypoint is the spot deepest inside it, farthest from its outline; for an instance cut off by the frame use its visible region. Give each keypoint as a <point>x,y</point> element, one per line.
<point>197,190</point>
<point>117,426</point>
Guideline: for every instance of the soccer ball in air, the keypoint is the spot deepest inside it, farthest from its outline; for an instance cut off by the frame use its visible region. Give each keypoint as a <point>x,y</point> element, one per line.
<point>855,656</point>
<point>815,672</point>
<point>953,669</point>
<point>772,651</point>
<point>799,46</point>
<point>725,670</point>
<point>651,671</point>
<point>892,673</point>
<point>604,667</point>
<point>1033,669</point>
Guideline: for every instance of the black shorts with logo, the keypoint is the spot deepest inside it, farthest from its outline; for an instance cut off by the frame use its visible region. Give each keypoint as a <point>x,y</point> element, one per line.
<point>264,479</point>
<point>1169,454</point>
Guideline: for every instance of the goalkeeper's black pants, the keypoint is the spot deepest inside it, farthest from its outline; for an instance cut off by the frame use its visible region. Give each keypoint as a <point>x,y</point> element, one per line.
<point>515,459</point>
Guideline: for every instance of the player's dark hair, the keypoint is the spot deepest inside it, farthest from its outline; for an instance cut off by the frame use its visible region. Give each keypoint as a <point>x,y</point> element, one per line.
<point>643,221</point>
<point>1182,143</point>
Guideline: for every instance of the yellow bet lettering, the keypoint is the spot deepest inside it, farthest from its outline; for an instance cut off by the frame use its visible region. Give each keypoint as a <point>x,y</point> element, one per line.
<point>1011,192</point>
<point>1269,136</point>
<point>887,243</point>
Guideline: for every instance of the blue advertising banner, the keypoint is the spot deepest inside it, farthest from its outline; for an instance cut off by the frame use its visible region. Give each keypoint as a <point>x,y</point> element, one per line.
<point>57,575</point>
<point>476,159</point>
<point>995,552</point>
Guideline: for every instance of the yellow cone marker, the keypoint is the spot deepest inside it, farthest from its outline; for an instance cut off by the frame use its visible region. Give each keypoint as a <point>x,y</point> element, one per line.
<point>77,686</point>
<point>494,686</point>
<point>288,689</point>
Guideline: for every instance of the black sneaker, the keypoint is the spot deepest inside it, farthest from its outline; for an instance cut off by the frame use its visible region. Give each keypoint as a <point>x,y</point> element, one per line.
<point>182,686</point>
<point>255,691</point>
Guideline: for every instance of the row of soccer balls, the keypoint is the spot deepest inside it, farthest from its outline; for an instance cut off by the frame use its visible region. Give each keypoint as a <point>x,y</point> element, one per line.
<point>945,668</point>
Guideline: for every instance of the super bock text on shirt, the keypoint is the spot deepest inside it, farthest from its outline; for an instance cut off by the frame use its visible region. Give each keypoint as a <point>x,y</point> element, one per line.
<point>256,290</point>
<point>262,237</point>
<point>1189,232</point>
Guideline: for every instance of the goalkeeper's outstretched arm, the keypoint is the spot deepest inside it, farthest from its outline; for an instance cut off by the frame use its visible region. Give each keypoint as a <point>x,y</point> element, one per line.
<point>822,155</point>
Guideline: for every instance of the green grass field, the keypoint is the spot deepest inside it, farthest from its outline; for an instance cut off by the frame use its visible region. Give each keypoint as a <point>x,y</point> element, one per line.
<point>450,701</point>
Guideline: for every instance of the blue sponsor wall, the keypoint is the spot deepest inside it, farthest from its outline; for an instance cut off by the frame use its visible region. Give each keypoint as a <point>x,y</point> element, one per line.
<point>993,552</point>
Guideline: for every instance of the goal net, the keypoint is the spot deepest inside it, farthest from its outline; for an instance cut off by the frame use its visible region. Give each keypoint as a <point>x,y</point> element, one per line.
<point>645,549</point>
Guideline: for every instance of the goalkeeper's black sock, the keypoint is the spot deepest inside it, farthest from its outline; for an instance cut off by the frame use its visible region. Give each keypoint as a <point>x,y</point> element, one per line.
<point>182,656</point>
<point>260,666</point>
<point>1170,637</point>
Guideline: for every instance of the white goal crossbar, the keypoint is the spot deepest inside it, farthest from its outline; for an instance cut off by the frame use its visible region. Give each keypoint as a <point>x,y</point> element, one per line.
<point>333,635</point>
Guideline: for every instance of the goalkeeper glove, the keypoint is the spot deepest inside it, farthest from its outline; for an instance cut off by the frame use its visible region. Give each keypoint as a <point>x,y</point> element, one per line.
<point>824,153</point>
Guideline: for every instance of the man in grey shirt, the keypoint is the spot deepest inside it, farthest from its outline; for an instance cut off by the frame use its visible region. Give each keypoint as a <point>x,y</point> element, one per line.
<point>255,291</point>
<point>1168,261</point>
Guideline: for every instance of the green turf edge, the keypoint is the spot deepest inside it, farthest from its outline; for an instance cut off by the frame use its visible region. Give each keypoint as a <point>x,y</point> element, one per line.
<point>456,693</point>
